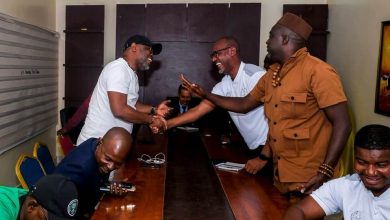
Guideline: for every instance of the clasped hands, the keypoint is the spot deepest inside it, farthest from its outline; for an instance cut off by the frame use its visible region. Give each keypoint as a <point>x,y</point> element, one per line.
<point>159,124</point>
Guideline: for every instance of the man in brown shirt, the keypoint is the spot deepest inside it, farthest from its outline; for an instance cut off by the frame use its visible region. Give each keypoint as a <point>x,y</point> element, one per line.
<point>306,107</point>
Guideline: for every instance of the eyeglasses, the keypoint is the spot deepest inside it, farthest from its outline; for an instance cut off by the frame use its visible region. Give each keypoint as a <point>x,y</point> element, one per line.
<point>217,52</point>
<point>157,159</point>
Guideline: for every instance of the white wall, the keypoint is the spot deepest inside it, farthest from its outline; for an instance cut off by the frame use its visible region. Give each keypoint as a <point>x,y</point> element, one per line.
<point>37,12</point>
<point>353,49</point>
<point>40,13</point>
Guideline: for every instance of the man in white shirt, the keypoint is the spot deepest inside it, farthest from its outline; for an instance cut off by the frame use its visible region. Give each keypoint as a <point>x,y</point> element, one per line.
<point>238,81</point>
<point>363,195</point>
<point>114,101</point>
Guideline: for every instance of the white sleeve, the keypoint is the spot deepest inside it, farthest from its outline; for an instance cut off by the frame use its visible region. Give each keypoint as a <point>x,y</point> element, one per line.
<point>218,89</point>
<point>330,196</point>
<point>118,79</point>
<point>255,78</point>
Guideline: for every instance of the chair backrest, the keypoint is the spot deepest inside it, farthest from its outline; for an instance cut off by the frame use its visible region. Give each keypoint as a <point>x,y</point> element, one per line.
<point>42,152</point>
<point>28,170</point>
<point>65,143</point>
<point>66,114</point>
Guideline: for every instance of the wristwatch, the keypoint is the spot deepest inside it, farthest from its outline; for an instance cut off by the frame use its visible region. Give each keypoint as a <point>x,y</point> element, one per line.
<point>263,157</point>
<point>153,111</point>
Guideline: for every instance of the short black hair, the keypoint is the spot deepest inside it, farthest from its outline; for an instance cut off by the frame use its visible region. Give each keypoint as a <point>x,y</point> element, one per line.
<point>373,137</point>
<point>181,87</point>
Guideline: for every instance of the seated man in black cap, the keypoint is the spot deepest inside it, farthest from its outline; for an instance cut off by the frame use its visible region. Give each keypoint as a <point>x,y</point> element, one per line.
<point>114,100</point>
<point>53,197</point>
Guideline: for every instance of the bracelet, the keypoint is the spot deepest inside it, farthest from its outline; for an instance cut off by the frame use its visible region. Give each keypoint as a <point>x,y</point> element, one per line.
<point>263,157</point>
<point>326,167</point>
<point>330,171</point>
<point>325,173</point>
<point>326,170</point>
<point>153,111</point>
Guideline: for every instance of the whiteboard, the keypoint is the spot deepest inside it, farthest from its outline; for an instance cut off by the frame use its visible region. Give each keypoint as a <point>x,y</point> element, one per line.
<point>28,81</point>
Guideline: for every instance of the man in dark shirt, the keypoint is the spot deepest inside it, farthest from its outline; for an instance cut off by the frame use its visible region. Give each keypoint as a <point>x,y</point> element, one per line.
<point>90,164</point>
<point>183,102</point>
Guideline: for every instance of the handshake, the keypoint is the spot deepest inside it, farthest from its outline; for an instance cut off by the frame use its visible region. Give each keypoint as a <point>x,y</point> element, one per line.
<point>158,125</point>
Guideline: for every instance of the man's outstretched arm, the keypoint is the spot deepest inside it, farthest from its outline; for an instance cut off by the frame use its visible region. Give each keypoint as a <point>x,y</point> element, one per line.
<point>234,104</point>
<point>192,114</point>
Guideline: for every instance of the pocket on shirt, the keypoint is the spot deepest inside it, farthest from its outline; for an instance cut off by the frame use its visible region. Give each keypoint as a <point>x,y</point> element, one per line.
<point>297,142</point>
<point>293,105</point>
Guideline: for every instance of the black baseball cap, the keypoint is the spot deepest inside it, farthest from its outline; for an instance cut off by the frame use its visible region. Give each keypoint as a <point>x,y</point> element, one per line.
<point>58,195</point>
<point>139,39</point>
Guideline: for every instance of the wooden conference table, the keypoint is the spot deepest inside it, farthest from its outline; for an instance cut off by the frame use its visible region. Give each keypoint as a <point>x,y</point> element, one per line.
<point>249,196</point>
<point>147,201</point>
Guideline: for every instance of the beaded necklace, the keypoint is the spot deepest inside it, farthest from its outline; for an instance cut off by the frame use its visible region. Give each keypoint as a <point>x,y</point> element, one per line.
<point>276,78</point>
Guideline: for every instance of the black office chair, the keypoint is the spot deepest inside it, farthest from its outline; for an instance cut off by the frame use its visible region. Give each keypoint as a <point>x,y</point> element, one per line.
<point>65,115</point>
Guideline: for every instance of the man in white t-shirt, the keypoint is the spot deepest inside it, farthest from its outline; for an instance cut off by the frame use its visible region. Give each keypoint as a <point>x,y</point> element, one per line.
<point>114,101</point>
<point>238,81</point>
<point>364,195</point>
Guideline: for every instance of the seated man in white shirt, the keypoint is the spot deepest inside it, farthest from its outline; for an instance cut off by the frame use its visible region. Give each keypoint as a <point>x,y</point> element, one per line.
<point>363,195</point>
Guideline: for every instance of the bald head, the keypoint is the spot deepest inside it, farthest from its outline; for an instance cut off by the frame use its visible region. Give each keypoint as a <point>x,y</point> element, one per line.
<point>120,136</point>
<point>113,149</point>
<point>229,42</point>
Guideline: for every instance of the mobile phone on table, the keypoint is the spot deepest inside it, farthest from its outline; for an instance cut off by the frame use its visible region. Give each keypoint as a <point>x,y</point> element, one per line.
<point>125,185</point>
